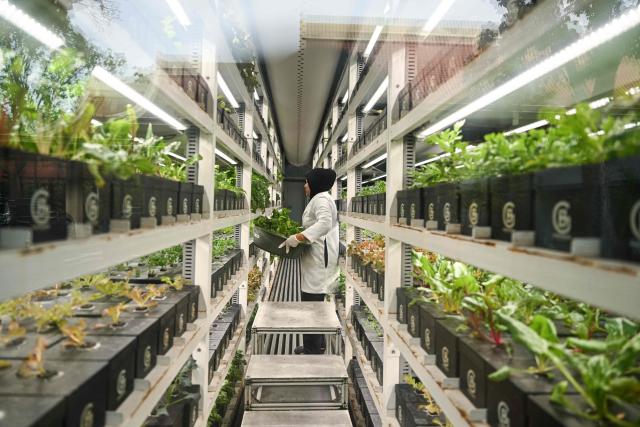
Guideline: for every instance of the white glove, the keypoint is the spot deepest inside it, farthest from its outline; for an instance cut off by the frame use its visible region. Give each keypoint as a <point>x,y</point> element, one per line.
<point>291,242</point>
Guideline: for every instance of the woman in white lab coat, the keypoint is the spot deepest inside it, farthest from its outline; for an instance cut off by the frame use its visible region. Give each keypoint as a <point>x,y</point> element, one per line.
<point>319,263</point>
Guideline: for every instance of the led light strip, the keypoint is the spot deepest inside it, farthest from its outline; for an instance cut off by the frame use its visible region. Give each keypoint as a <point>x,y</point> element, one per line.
<point>128,92</point>
<point>374,161</point>
<point>372,41</point>
<point>528,127</point>
<point>227,91</point>
<point>29,25</point>
<point>378,93</point>
<point>225,157</point>
<point>596,38</point>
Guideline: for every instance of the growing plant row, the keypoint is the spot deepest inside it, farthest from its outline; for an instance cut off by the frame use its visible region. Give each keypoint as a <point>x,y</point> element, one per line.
<point>224,410</point>
<point>363,395</point>
<point>529,357</point>
<point>76,348</point>
<point>370,335</point>
<point>572,186</point>
<point>221,332</point>
<point>370,200</point>
<point>415,406</point>
<point>367,261</point>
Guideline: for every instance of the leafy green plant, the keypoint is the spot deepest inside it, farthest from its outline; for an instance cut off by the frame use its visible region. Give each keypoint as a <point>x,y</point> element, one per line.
<point>259,192</point>
<point>380,186</point>
<point>164,258</point>
<point>280,223</point>
<point>111,289</point>
<point>225,179</point>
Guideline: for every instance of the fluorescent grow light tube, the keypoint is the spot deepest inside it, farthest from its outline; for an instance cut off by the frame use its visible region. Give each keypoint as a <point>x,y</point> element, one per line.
<point>432,159</point>
<point>345,98</point>
<point>255,136</point>
<point>375,179</point>
<point>179,12</point>
<point>344,138</point>
<point>225,157</point>
<point>29,25</point>
<point>128,92</point>
<point>255,95</point>
<point>227,91</point>
<point>96,123</point>
<point>614,28</point>
<point>344,178</point>
<point>436,16</point>
<point>176,156</point>
<point>528,127</point>
<point>374,161</point>
<point>376,96</point>
<point>372,41</point>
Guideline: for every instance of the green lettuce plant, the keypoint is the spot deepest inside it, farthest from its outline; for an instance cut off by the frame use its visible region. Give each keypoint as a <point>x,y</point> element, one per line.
<point>280,223</point>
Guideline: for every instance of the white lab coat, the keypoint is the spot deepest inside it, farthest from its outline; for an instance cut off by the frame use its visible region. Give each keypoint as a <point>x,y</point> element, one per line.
<point>320,223</point>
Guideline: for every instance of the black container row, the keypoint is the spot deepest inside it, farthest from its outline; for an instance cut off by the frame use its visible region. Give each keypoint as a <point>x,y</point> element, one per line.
<point>371,341</point>
<point>374,204</point>
<point>523,399</point>
<point>51,199</point>
<point>363,395</point>
<point>369,275</point>
<point>341,205</point>
<point>223,268</point>
<point>227,200</point>
<point>411,408</point>
<point>559,204</point>
<point>220,334</point>
<point>79,384</point>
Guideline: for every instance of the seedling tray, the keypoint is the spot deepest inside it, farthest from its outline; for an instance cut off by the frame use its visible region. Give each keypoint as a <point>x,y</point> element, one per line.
<point>21,347</point>
<point>179,300</point>
<point>83,385</point>
<point>270,242</point>
<point>31,411</point>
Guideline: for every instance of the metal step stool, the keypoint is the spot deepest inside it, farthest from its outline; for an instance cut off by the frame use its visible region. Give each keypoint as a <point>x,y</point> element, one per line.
<point>297,418</point>
<point>295,382</point>
<point>297,317</point>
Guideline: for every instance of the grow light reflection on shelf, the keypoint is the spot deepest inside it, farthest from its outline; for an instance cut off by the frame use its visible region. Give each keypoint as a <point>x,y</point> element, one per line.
<point>29,25</point>
<point>528,127</point>
<point>587,43</point>
<point>128,92</point>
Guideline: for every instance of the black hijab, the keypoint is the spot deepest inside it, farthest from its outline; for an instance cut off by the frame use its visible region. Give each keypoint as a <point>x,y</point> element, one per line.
<point>320,180</point>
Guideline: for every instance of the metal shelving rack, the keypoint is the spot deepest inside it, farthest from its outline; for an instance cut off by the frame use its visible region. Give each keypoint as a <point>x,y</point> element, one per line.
<point>611,285</point>
<point>46,264</point>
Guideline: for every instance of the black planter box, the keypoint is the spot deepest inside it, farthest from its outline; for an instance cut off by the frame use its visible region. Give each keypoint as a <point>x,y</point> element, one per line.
<point>94,201</point>
<point>33,192</point>
<point>621,209</point>
<point>179,300</point>
<point>401,204</point>
<point>194,302</point>
<point>414,415</point>
<point>405,395</point>
<point>117,351</point>
<point>382,204</point>
<point>380,286</point>
<point>30,411</point>
<point>414,207</point>
<point>477,360</point>
<point>375,281</point>
<point>429,204</point>
<point>508,400</point>
<point>542,412</point>
<point>404,296</point>
<point>429,313</point>
<point>377,358</point>
<point>511,205</point>
<point>448,207</point>
<point>474,204</point>
<point>145,331</point>
<point>169,198</point>
<point>413,320</point>
<point>214,361</point>
<point>197,199</point>
<point>152,192</point>
<point>126,201</point>
<point>166,313</point>
<point>370,337</point>
<point>447,345</point>
<point>83,385</point>
<point>185,198</point>
<point>190,415</point>
<point>567,204</point>
<point>372,278</point>
<point>218,200</point>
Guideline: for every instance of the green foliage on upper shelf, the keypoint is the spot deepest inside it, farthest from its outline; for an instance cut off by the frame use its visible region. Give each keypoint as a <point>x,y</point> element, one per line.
<point>587,136</point>
<point>380,186</point>
<point>280,223</point>
<point>225,179</point>
<point>222,242</point>
<point>165,257</point>
<point>227,391</point>
<point>259,192</point>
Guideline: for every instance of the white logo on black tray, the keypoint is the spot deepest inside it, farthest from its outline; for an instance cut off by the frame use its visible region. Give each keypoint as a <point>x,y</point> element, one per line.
<point>412,323</point>
<point>146,360</point>
<point>634,220</point>
<point>431,211</point>
<point>561,218</point>
<point>152,206</point>
<point>473,213</point>
<point>413,211</point>
<point>445,358</point>
<point>40,209</point>
<point>402,210</point>
<point>427,337</point>
<point>127,206</point>
<point>509,215</point>
<point>185,206</point>
<point>86,416</point>
<point>471,382</point>
<point>121,385</point>
<point>170,206</point>
<point>446,212</point>
<point>503,415</point>
<point>91,209</point>
<point>197,205</point>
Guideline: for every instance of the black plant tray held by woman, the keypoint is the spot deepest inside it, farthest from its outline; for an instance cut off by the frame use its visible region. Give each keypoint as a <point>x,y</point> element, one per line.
<point>83,385</point>
<point>268,241</point>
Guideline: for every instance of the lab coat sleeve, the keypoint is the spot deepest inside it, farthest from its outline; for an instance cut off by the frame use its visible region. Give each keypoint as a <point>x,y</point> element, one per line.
<point>323,224</point>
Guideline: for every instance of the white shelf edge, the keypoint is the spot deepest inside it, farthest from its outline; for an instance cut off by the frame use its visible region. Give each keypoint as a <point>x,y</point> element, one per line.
<point>375,226</point>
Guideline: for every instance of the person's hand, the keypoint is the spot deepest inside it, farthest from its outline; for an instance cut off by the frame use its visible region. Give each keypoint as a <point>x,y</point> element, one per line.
<point>291,242</point>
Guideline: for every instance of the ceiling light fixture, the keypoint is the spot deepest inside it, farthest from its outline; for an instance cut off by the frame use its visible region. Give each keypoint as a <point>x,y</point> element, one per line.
<point>587,43</point>
<point>128,92</point>
<point>225,157</point>
<point>528,127</point>
<point>375,161</point>
<point>372,41</point>
<point>227,91</point>
<point>436,16</point>
<point>29,25</point>
<point>376,96</point>
<point>179,12</point>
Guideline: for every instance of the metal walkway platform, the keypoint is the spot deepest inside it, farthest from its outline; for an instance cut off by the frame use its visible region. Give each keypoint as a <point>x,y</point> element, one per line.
<point>297,418</point>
